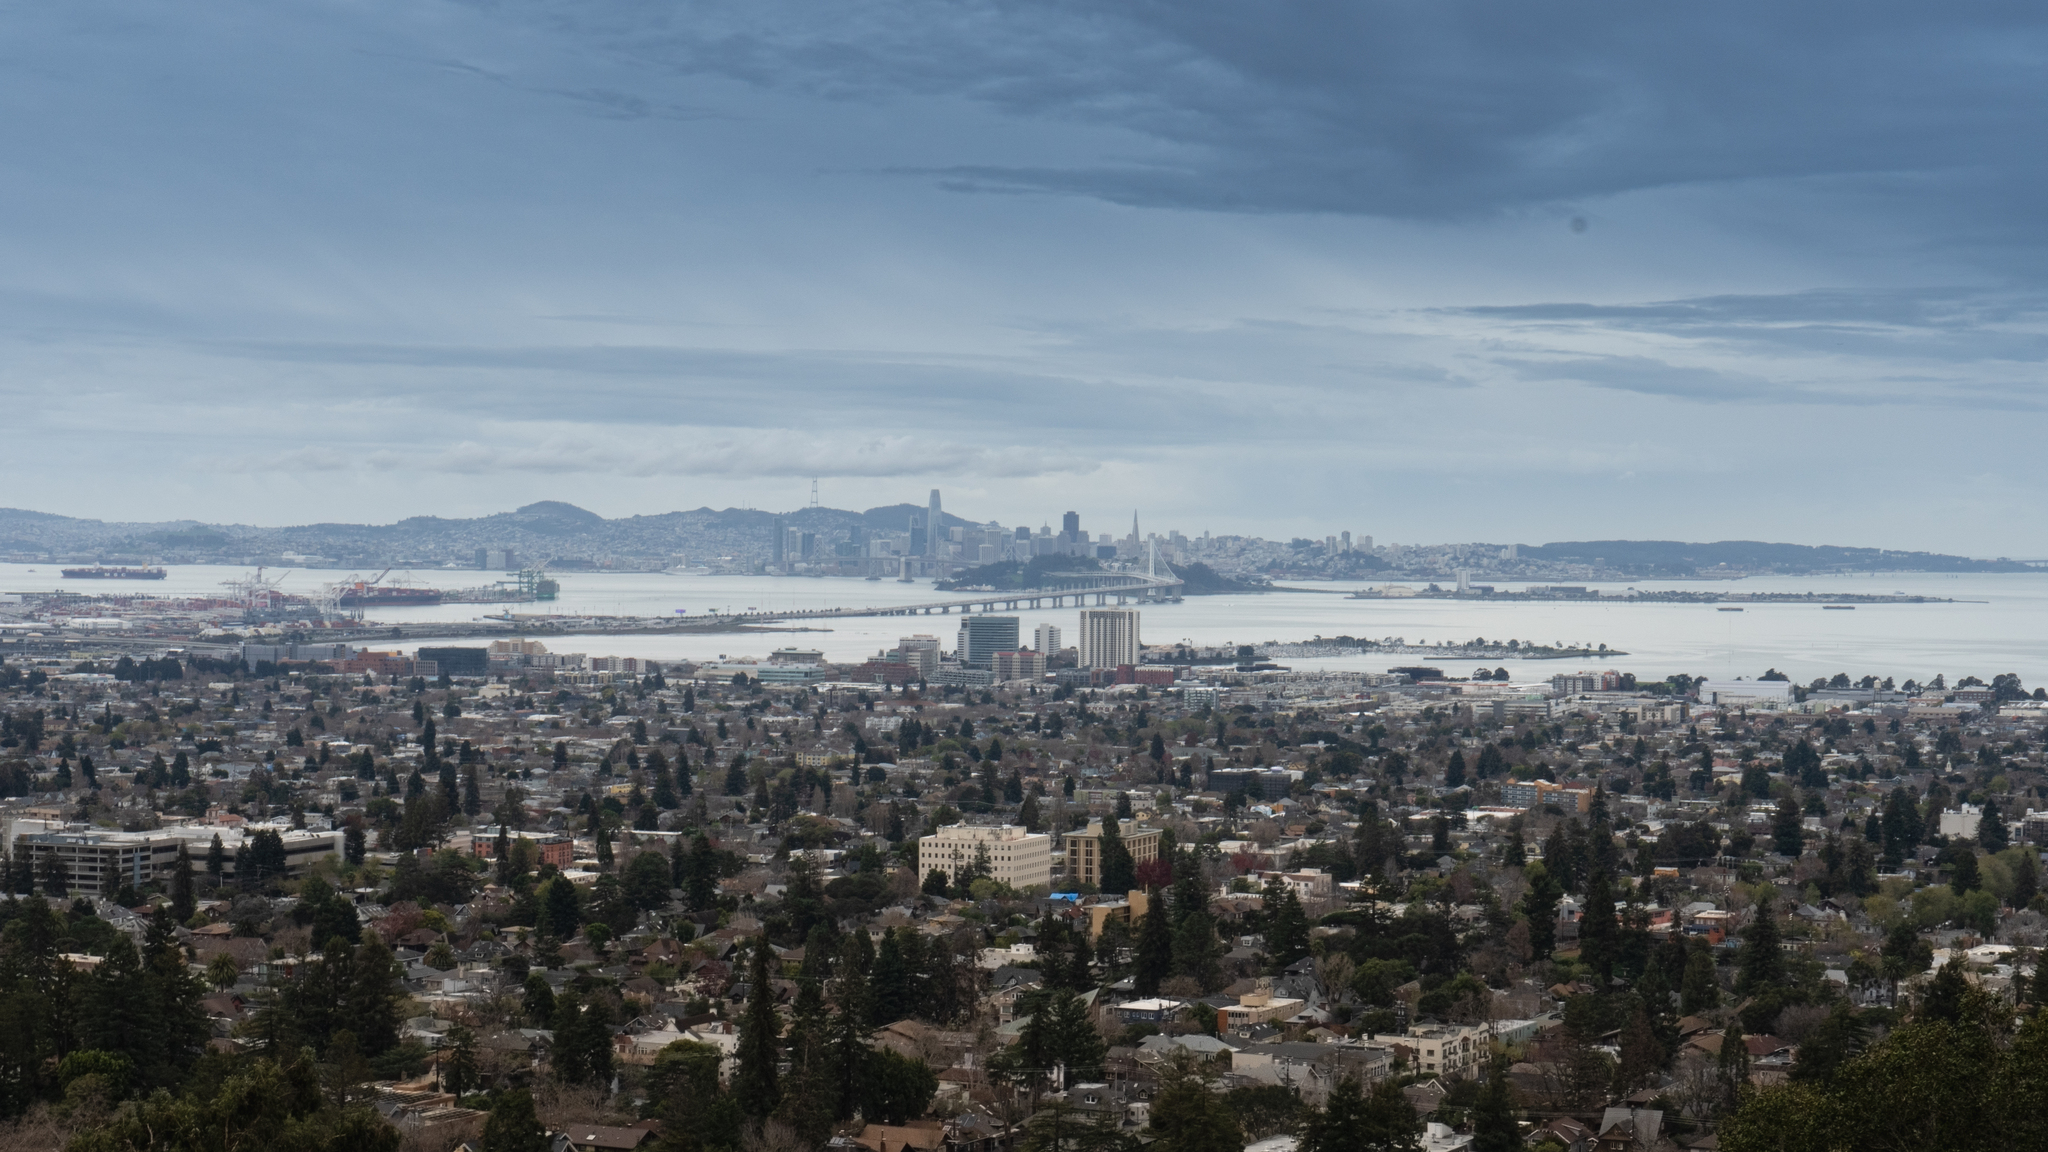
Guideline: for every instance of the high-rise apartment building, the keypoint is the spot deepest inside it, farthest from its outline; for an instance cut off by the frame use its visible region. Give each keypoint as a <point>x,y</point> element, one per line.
<point>1109,637</point>
<point>981,637</point>
<point>921,650</point>
<point>1046,639</point>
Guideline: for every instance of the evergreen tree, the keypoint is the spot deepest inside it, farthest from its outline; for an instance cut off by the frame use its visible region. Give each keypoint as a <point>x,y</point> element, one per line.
<point>1539,904</point>
<point>1964,876</point>
<point>216,859</point>
<point>1494,1128</point>
<point>1991,832</point>
<point>472,795</point>
<point>2026,880</point>
<point>1762,962</point>
<point>1352,1121</point>
<point>755,1081</point>
<point>1119,874</point>
<point>582,1050</point>
<point>513,1126</point>
<point>1154,953</point>
<point>1732,1069</point>
<point>1187,1114</point>
<point>183,901</point>
<point>1454,772</point>
<point>1599,931</point>
<point>1786,835</point>
<point>539,1002</point>
<point>1286,925</point>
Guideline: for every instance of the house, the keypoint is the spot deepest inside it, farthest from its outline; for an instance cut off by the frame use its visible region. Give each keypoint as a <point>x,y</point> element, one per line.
<point>1628,1129</point>
<point>599,1138</point>
<point>890,1138</point>
<point>1575,1137</point>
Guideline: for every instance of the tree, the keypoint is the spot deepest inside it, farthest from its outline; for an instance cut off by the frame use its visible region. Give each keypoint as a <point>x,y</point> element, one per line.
<point>513,1127</point>
<point>1154,953</point>
<point>458,1067</point>
<point>1787,837</point>
<point>216,859</point>
<point>183,902</point>
<point>1187,1114</point>
<point>1762,963</point>
<point>1286,925</point>
<point>539,1003</point>
<point>1701,991</point>
<point>1539,904</point>
<point>1119,874</point>
<point>1965,876</point>
<point>1494,1127</point>
<point>1732,1068</point>
<point>1991,832</point>
<point>755,1079</point>
<point>582,1052</point>
<point>1352,1121</point>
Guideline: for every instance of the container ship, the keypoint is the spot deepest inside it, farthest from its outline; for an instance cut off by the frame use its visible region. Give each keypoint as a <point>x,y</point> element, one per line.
<point>104,573</point>
<point>386,596</point>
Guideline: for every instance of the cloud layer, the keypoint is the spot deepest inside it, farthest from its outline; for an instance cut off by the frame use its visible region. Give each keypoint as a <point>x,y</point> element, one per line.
<point>1445,271</point>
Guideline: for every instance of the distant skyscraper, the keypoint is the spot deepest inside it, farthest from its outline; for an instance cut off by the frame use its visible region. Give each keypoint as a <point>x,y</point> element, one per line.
<point>933,533</point>
<point>1347,541</point>
<point>981,637</point>
<point>1070,527</point>
<point>917,536</point>
<point>1109,637</point>
<point>1046,638</point>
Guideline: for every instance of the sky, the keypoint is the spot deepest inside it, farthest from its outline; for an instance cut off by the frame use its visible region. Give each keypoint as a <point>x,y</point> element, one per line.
<point>1428,272</point>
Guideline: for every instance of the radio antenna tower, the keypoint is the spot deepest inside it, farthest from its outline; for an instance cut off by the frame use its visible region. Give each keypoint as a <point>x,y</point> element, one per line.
<point>814,492</point>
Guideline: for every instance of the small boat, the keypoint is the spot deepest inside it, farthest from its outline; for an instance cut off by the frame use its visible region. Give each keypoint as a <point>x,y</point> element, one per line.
<point>1838,607</point>
<point>1727,609</point>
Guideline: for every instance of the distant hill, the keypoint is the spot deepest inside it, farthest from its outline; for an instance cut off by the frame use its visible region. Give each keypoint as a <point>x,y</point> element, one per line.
<point>1673,558</point>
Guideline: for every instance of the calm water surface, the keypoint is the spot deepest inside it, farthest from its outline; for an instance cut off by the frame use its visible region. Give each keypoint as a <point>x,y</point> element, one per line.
<point>1999,624</point>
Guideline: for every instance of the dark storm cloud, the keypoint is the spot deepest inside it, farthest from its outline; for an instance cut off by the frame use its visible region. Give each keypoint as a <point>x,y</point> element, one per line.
<point>1424,110</point>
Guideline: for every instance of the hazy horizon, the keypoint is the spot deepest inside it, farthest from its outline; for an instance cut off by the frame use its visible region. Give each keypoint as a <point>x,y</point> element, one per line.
<point>1455,272</point>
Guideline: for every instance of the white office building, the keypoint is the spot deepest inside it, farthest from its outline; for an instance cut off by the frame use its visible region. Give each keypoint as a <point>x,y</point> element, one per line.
<point>1109,637</point>
<point>1046,639</point>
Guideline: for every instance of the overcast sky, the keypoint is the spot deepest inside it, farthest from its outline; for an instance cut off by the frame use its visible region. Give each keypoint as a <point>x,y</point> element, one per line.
<point>1426,271</point>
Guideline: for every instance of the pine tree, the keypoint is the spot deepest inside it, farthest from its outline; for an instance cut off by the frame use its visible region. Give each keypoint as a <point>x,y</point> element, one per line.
<point>1786,835</point>
<point>183,902</point>
<point>1762,964</point>
<point>1732,1069</point>
<point>755,1080</point>
<point>472,795</point>
<point>1119,875</point>
<point>513,1126</point>
<point>1599,931</point>
<point>850,1025</point>
<point>1352,1121</point>
<point>1286,925</point>
<point>1991,832</point>
<point>1154,960</point>
<point>1494,1128</point>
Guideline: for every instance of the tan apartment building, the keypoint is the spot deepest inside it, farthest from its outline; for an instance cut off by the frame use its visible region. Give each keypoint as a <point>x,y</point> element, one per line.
<point>1015,857</point>
<point>1084,850</point>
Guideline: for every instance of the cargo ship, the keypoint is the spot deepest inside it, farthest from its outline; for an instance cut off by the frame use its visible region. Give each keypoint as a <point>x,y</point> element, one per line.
<point>386,596</point>
<point>104,573</point>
